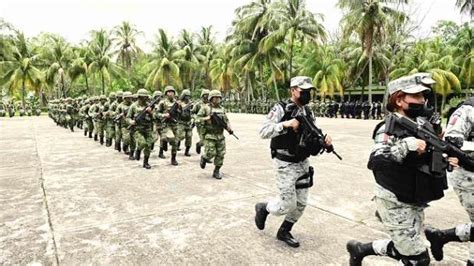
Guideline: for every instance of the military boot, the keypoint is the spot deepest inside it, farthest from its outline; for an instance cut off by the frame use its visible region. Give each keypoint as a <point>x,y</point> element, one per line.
<point>101,140</point>
<point>137,154</point>
<point>161,155</point>
<point>261,214</point>
<point>216,173</point>
<point>145,162</point>
<point>90,134</point>
<point>173,159</point>
<point>108,142</point>
<point>95,137</point>
<point>165,146</point>
<point>85,133</point>
<point>117,146</point>
<point>285,235</point>
<point>125,149</point>
<point>131,155</point>
<point>438,238</point>
<point>179,146</point>
<point>186,153</point>
<point>203,162</point>
<point>198,148</point>
<point>358,251</point>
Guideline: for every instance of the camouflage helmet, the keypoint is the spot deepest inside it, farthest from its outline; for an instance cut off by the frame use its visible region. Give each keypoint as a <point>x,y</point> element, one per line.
<point>204,92</point>
<point>119,94</point>
<point>185,93</point>
<point>86,101</point>
<point>127,95</point>
<point>157,94</point>
<point>112,95</point>
<point>102,97</point>
<point>68,99</point>
<point>170,88</point>
<point>143,93</point>
<point>215,93</point>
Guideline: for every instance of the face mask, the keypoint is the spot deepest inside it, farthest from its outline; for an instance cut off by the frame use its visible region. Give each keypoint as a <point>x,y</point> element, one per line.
<point>418,109</point>
<point>305,97</point>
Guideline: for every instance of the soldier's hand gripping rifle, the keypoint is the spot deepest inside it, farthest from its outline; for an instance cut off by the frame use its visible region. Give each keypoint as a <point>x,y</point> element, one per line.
<point>401,126</point>
<point>174,112</point>
<point>216,119</point>
<point>313,134</point>
<point>141,115</point>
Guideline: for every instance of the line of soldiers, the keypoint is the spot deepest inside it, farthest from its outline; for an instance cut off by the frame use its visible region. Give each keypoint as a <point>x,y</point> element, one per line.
<point>26,110</point>
<point>333,109</point>
<point>134,122</point>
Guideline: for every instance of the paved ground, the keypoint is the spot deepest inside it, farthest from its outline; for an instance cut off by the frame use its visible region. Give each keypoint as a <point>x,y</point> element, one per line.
<point>67,200</point>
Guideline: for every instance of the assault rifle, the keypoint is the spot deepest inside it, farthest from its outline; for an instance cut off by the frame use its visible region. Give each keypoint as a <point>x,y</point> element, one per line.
<point>141,115</point>
<point>401,126</point>
<point>216,119</point>
<point>311,133</point>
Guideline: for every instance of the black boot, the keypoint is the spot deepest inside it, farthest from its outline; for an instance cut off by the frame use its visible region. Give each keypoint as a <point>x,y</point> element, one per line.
<point>173,159</point>
<point>438,238</point>
<point>85,133</point>
<point>90,134</point>
<point>285,235</point>
<point>101,140</point>
<point>216,173</point>
<point>137,154</point>
<point>165,146</point>
<point>131,155</point>
<point>261,214</point>
<point>203,162</point>
<point>358,251</point>
<point>161,155</point>
<point>469,263</point>
<point>186,153</point>
<point>108,143</point>
<point>125,149</point>
<point>95,137</point>
<point>153,146</point>
<point>117,146</point>
<point>179,146</point>
<point>145,162</point>
<point>198,148</point>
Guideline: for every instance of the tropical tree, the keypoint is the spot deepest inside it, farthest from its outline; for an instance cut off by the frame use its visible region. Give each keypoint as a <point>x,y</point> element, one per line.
<point>163,67</point>
<point>126,48</point>
<point>190,59</point>
<point>206,46</point>
<point>57,57</point>
<point>80,66</point>
<point>221,70</point>
<point>467,7</point>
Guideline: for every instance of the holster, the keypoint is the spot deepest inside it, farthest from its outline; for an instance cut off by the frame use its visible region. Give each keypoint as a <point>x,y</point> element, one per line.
<point>306,180</point>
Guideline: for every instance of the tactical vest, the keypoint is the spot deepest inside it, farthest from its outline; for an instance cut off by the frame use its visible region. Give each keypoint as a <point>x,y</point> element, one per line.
<point>289,140</point>
<point>405,180</point>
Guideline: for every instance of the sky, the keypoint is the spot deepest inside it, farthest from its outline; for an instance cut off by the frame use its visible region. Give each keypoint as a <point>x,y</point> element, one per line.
<point>74,19</point>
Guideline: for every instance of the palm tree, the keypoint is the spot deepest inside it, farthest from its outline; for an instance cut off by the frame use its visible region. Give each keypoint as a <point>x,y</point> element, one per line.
<point>294,22</point>
<point>19,70</point>
<point>206,47</point>
<point>80,66</point>
<point>369,20</point>
<point>467,7</point>
<point>191,59</point>
<point>221,70</point>
<point>464,50</point>
<point>163,67</point>
<point>58,56</point>
<point>101,54</point>
<point>125,37</point>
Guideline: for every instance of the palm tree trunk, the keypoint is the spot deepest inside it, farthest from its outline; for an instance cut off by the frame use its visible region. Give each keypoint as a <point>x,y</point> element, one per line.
<point>292,39</point>
<point>443,102</point>
<point>63,86</point>
<point>23,91</point>
<point>103,82</point>
<point>435,101</point>
<point>276,89</point>
<point>87,83</point>
<point>370,78</point>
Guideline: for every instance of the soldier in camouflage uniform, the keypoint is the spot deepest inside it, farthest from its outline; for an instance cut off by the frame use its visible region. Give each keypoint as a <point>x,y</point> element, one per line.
<point>460,132</point>
<point>69,116</point>
<point>11,110</point>
<point>185,123</point>
<point>97,114</point>
<point>143,128</point>
<point>2,110</point>
<point>116,121</point>
<point>214,134</point>
<point>170,123</point>
<point>396,164</point>
<point>109,119</point>
<point>86,118</point>
<point>127,137</point>
<point>292,166</point>
<point>157,122</point>
<point>199,125</point>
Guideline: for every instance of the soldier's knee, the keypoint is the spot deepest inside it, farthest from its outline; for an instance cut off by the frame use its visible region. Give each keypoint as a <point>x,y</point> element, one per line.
<point>288,205</point>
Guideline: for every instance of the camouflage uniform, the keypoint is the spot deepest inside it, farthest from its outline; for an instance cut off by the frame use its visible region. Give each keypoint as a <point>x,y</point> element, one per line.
<point>199,125</point>
<point>214,134</point>
<point>170,125</point>
<point>143,129</point>
<point>116,122</point>
<point>2,110</point>
<point>87,120</point>
<point>459,131</point>
<point>109,110</point>
<point>97,113</point>
<point>127,137</point>
<point>185,123</point>
<point>69,115</point>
